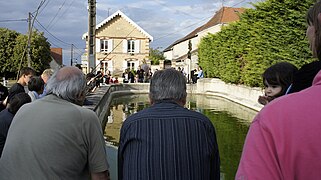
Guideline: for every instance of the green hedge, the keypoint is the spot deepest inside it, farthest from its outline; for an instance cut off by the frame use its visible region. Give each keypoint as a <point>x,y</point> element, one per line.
<point>273,31</point>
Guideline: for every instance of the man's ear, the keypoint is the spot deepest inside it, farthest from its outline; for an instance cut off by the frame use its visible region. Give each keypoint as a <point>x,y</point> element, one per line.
<point>150,100</point>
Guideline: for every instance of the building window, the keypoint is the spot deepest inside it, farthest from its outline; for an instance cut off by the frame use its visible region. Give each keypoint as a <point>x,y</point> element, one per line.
<point>130,65</point>
<point>104,45</point>
<point>131,46</point>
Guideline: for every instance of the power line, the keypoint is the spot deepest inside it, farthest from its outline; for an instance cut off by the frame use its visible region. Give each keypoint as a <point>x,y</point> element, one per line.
<point>51,43</point>
<point>14,20</point>
<point>44,6</point>
<point>56,14</point>
<point>27,47</point>
<point>63,13</point>
<point>238,3</point>
<point>52,34</point>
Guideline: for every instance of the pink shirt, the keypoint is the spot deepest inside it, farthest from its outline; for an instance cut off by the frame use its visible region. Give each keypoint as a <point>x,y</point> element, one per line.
<point>284,140</point>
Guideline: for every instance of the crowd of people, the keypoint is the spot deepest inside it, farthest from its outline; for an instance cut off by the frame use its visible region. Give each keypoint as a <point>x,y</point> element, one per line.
<point>47,134</point>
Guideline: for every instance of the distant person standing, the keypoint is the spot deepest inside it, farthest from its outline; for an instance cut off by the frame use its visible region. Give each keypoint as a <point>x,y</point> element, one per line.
<point>54,137</point>
<point>140,75</point>
<point>7,115</point>
<point>24,76</point>
<point>166,140</point>
<point>3,95</point>
<point>200,73</point>
<point>46,74</point>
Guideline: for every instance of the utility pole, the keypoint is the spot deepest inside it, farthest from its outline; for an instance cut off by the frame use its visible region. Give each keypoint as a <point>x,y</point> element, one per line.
<point>72,53</point>
<point>91,35</point>
<point>29,40</point>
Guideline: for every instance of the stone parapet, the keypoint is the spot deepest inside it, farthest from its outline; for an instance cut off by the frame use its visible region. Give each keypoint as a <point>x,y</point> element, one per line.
<point>239,94</point>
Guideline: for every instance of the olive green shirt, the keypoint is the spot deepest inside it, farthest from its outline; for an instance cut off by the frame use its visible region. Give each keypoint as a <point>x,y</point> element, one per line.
<point>53,139</point>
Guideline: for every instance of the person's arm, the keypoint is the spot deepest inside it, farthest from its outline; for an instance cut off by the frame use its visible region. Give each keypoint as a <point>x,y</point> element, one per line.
<point>4,102</point>
<point>100,176</point>
<point>259,158</point>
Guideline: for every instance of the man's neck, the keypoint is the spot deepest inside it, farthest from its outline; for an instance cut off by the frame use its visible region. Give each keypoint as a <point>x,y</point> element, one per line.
<point>22,82</point>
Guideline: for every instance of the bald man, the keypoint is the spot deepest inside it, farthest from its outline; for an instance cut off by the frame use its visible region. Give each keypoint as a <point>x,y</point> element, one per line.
<point>54,137</point>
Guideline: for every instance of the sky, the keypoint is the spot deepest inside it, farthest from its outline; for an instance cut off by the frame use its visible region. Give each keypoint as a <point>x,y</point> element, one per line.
<point>65,21</point>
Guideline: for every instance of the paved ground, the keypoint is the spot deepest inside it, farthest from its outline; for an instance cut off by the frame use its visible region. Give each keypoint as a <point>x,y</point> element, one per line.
<point>111,150</point>
<point>94,97</point>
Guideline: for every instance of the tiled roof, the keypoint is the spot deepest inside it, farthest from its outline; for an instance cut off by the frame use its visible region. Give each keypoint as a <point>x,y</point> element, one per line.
<point>224,15</point>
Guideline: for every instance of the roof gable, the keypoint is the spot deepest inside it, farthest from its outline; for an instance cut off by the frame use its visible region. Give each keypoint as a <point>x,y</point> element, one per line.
<point>224,15</point>
<point>119,13</point>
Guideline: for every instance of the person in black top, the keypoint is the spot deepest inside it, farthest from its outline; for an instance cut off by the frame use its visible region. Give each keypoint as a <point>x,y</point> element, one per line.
<point>166,140</point>
<point>140,75</point>
<point>24,76</point>
<point>7,115</point>
<point>304,77</point>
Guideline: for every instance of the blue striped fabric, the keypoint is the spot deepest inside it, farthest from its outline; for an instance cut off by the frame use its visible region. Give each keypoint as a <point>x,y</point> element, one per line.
<point>168,142</point>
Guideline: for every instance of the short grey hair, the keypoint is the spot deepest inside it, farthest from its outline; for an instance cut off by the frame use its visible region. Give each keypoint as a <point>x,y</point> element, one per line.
<point>68,83</point>
<point>168,84</point>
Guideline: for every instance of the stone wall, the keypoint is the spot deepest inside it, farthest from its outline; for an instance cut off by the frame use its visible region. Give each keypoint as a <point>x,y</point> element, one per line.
<point>239,94</point>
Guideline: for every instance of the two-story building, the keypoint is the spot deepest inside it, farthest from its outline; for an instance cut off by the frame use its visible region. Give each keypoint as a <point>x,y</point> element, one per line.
<point>178,51</point>
<point>120,44</point>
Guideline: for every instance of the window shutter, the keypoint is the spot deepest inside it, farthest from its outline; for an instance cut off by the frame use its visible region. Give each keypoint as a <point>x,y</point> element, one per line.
<point>110,45</point>
<point>124,46</point>
<point>97,45</point>
<point>137,46</point>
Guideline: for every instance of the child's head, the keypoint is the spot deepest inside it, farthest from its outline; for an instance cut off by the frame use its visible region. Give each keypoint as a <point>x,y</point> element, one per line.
<point>277,78</point>
<point>36,84</point>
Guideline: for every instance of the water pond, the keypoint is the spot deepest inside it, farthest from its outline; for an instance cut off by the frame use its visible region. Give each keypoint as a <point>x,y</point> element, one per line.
<point>231,122</point>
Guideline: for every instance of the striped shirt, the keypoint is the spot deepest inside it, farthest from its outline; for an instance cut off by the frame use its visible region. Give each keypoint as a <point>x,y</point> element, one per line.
<point>168,141</point>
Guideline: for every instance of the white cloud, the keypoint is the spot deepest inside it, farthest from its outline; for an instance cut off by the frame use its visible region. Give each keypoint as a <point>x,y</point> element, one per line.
<point>167,21</point>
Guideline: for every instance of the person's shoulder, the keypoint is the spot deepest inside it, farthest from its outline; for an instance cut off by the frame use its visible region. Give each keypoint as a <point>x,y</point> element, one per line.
<point>197,115</point>
<point>314,66</point>
<point>15,85</point>
<point>139,116</point>
<point>6,118</point>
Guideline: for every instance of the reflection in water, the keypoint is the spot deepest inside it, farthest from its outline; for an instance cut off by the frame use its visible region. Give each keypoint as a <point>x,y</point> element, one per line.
<point>231,122</point>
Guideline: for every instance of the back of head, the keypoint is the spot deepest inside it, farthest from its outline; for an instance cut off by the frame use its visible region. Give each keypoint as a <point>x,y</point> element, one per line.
<point>26,71</point>
<point>17,101</point>
<point>36,84</point>
<point>168,84</point>
<point>312,19</point>
<point>281,74</point>
<point>46,74</point>
<point>14,89</point>
<point>69,84</point>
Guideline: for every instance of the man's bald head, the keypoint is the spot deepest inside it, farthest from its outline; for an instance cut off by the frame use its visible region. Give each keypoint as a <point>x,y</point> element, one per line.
<point>68,83</point>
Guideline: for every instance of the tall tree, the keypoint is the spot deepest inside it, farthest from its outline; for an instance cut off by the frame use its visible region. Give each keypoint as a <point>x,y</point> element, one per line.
<point>7,44</point>
<point>12,49</point>
<point>155,55</point>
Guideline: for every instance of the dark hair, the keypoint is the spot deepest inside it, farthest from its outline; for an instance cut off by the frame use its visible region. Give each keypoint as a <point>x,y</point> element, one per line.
<point>26,71</point>
<point>36,84</point>
<point>312,20</point>
<point>17,101</point>
<point>280,74</point>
